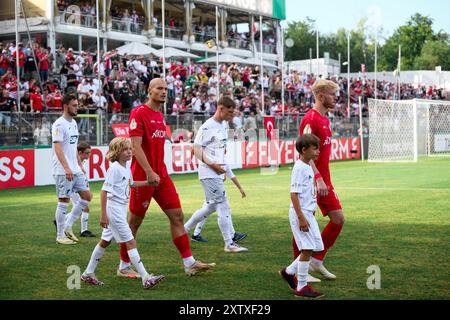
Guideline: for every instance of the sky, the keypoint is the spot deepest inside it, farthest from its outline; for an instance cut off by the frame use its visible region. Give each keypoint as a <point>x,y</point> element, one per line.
<point>330,15</point>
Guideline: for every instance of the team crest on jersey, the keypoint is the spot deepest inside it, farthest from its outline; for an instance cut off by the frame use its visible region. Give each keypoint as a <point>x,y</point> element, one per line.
<point>133,124</point>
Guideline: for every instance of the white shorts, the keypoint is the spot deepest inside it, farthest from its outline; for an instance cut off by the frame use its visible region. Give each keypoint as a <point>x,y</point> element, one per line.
<point>64,187</point>
<point>118,228</point>
<point>214,190</point>
<point>311,240</point>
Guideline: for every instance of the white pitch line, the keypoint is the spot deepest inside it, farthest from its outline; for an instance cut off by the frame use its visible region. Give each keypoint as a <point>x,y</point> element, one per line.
<point>393,189</point>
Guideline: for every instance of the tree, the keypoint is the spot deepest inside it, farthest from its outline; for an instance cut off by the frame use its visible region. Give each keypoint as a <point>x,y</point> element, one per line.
<point>411,37</point>
<point>304,35</point>
<point>434,53</point>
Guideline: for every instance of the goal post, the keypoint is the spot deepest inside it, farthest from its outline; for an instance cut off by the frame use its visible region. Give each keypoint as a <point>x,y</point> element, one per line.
<point>400,131</point>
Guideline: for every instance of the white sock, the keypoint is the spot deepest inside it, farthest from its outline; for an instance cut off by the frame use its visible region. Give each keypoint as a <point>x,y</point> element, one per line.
<point>137,263</point>
<point>224,222</point>
<point>292,268</point>
<point>97,254</point>
<point>189,261</point>
<point>60,217</point>
<point>84,221</point>
<point>199,227</point>
<point>232,231</point>
<point>302,274</point>
<point>200,215</point>
<point>123,265</point>
<point>76,212</point>
<point>316,261</point>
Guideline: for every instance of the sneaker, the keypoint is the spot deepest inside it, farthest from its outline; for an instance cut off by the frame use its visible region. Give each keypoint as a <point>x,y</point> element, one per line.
<point>308,292</point>
<point>198,238</point>
<point>65,240</point>
<point>151,281</point>
<point>235,248</point>
<point>198,266</point>
<point>289,278</point>
<point>128,272</point>
<point>238,236</point>
<point>87,234</point>
<point>320,268</point>
<point>69,234</point>
<point>91,279</point>
<point>312,279</point>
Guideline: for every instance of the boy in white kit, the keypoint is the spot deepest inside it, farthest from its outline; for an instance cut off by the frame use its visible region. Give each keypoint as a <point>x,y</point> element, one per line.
<point>114,202</point>
<point>301,217</point>
<point>236,236</point>
<point>209,147</point>
<point>67,169</point>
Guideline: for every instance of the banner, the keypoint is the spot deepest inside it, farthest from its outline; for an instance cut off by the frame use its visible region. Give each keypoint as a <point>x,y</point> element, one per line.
<point>17,168</point>
<point>121,130</point>
<point>24,168</point>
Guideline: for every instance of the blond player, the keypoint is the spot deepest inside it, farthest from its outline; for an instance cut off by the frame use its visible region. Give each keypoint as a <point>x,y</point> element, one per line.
<point>114,201</point>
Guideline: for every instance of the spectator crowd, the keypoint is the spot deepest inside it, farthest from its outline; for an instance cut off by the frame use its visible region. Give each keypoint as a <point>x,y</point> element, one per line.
<point>192,87</point>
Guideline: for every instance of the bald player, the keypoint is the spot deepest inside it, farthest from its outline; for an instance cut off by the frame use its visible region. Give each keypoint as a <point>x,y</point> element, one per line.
<point>148,134</point>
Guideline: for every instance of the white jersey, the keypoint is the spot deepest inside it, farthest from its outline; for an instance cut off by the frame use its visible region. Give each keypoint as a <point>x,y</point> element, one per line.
<point>117,182</point>
<point>66,133</point>
<point>302,182</point>
<point>212,138</point>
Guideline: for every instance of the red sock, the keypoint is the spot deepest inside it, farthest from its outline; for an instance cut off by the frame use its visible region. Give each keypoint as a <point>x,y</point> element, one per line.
<point>295,248</point>
<point>183,245</point>
<point>124,253</point>
<point>329,236</point>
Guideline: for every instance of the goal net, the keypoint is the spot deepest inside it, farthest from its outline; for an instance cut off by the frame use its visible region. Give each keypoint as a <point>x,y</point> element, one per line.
<point>400,131</point>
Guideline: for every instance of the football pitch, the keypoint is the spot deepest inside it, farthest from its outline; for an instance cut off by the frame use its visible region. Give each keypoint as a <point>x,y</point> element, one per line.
<point>397,218</point>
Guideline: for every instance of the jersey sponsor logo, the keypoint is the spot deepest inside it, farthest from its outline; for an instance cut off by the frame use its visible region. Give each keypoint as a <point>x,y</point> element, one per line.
<point>73,139</point>
<point>133,124</point>
<point>159,134</point>
<point>327,141</point>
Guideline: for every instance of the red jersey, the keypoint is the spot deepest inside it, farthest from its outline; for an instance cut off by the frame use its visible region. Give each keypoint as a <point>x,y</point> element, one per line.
<point>313,122</point>
<point>37,102</point>
<point>148,124</point>
<point>21,58</point>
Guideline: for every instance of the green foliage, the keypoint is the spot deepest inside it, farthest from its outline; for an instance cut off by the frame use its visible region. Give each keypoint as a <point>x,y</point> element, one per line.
<point>396,218</point>
<point>417,39</point>
<point>434,53</point>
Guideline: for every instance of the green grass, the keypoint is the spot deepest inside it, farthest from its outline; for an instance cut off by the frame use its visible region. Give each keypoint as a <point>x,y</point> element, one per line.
<point>397,217</point>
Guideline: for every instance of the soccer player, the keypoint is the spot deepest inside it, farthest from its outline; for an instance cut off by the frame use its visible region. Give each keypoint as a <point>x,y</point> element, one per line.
<point>196,236</point>
<point>316,122</point>
<point>114,201</point>
<point>209,147</point>
<point>67,169</point>
<point>84,151</point>
<point>304,225</point>
<point>148,134</point>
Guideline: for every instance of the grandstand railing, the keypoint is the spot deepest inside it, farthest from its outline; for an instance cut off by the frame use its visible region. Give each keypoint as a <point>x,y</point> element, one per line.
<point>18,129</point>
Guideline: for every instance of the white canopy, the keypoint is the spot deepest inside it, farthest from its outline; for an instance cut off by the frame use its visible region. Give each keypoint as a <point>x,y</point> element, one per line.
<point>136,49</point>
<point>173,52</point>
<point>225,58</point>
<point>257,62</point>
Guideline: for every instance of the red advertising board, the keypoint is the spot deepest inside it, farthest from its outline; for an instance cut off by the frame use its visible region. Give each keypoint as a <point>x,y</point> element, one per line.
<point>16,168</point>
<point>121,130</point>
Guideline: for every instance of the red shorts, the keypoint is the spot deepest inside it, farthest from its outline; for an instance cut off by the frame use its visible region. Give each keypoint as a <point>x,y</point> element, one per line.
<point>329,202</point>
<point>164,194</point>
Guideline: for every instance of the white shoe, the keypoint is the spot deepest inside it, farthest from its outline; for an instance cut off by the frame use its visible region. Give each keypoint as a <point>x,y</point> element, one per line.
<point>65,240</point>
<point>320,268</point>
<point>235,248</point>
<point>312,279</point>
<point>69,234</point>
